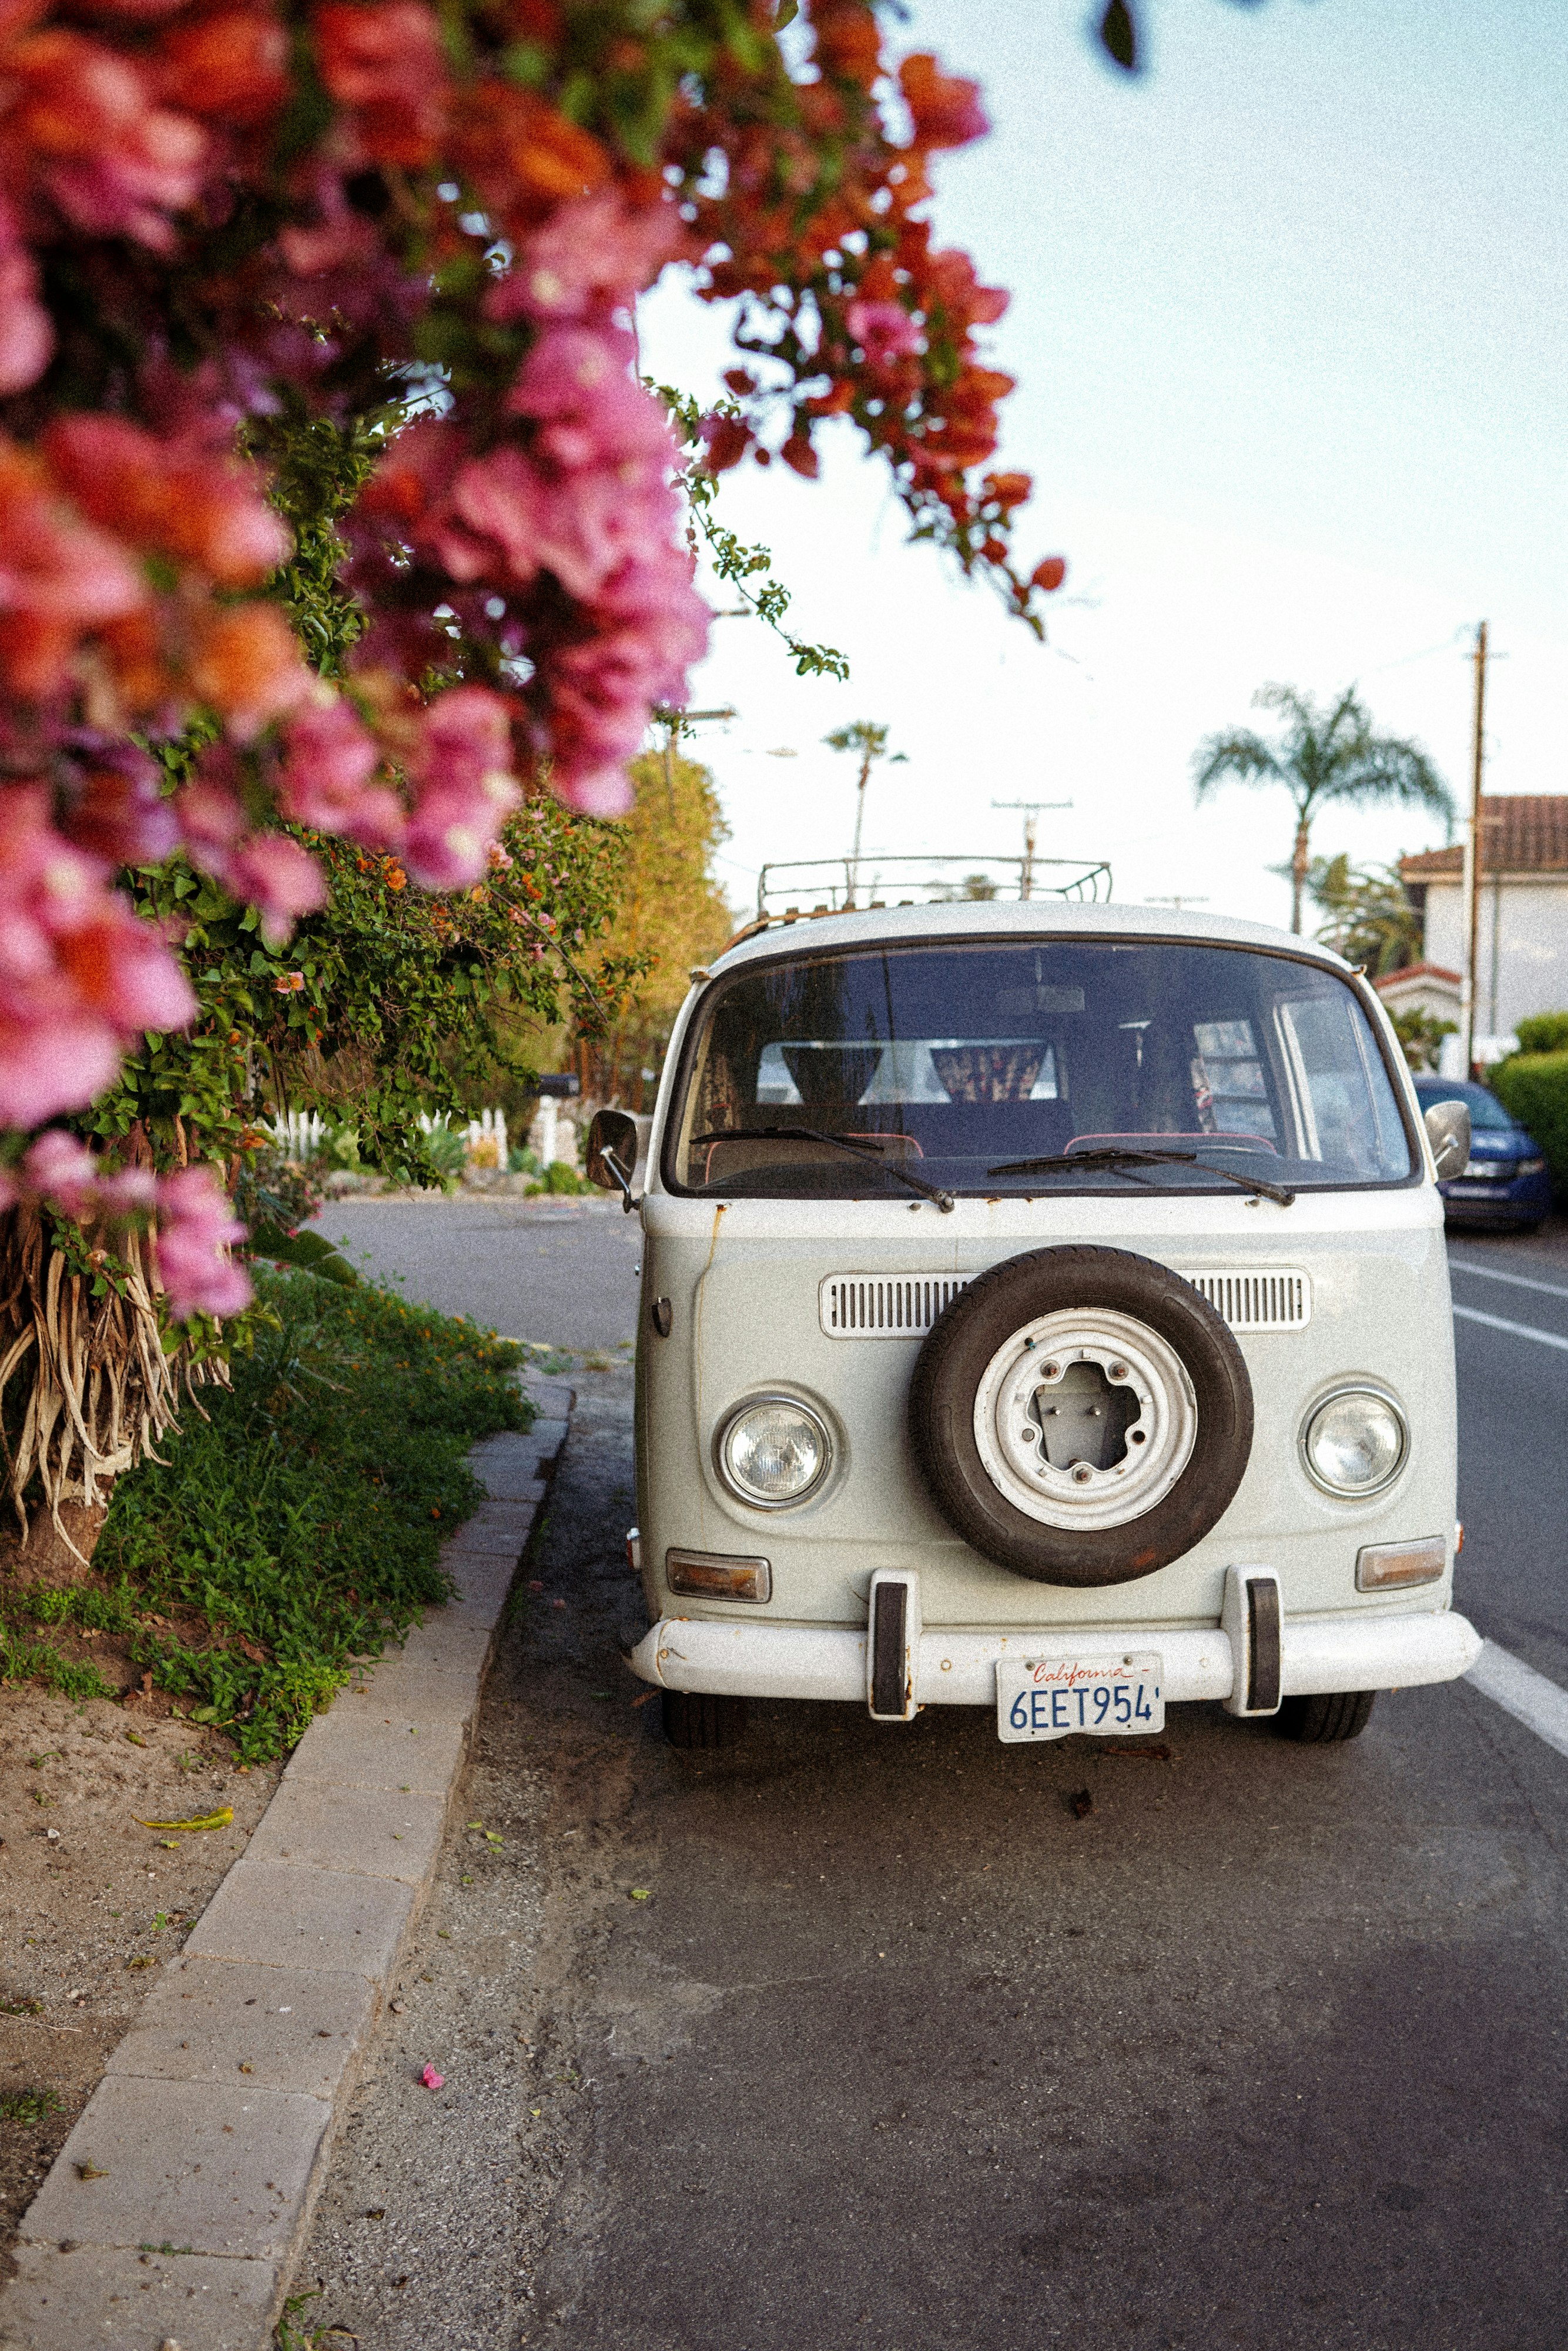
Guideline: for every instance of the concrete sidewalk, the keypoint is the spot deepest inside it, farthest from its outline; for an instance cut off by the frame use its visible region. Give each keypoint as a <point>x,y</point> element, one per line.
<point>171,2219</point>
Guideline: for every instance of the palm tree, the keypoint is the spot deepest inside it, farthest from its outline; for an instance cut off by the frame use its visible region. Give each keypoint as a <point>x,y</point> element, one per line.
<point>1322,755</point>
<point>869,740</point>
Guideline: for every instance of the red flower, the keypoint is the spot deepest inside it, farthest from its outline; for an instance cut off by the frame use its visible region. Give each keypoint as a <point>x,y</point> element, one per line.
<point>231,63</point>
<point>247,666</point>
<point>174,501</point>
<point>523,157</point>
<point>58,576</point>
<point>848,42</point>
<point>385,65</point>
<point>114,163</point>
<point>79,975</point>
<point>946,109</point>
<point>1050,574</point>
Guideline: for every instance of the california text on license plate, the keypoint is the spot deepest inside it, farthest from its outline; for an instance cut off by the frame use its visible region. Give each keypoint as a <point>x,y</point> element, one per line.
<point>1049,1697</point>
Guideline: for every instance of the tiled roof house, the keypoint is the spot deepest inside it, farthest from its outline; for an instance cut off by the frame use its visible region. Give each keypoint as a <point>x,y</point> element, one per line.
<point>1523,948</point>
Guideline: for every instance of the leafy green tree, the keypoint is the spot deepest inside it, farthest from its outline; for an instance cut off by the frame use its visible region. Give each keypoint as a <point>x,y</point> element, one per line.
<point>1324,756</point>
<point>1367,918</point>
<point>1421,1035</point>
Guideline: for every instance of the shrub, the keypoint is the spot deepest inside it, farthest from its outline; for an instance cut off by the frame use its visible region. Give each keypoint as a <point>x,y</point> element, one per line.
<point>1542,1032</point>
<point>559,1178</point>
<point>1420,1036</point>
<point>1533,1088</point>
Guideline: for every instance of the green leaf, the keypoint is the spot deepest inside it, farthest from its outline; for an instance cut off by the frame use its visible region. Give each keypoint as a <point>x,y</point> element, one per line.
<point>307,1250</point>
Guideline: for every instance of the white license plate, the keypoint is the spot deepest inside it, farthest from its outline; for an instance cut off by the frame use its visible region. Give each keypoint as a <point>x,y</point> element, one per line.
<point>1051,1698</point>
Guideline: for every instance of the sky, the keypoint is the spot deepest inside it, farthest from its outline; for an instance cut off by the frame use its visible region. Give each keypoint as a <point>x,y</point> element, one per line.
<point>1290,330</point>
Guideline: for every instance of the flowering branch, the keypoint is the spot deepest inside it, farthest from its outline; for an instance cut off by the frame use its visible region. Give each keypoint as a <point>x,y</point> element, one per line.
<point>329,501</point>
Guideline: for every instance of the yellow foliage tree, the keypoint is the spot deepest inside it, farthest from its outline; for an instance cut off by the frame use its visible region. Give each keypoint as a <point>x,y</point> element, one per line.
<point>671,910</point>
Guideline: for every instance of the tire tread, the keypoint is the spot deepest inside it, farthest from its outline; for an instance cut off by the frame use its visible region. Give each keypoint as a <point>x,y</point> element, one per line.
<point>1327,1718</point>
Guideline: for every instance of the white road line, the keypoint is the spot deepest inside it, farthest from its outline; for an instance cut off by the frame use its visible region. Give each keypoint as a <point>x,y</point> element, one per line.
<point>1521,1691</point>
<point>1516,1330</point>
<point>1520,1280</point>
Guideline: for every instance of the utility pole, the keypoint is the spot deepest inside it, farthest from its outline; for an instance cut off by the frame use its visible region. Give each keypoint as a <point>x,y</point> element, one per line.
<point>1031,809</point>
<point>1187,899</point>
<point>676,722</point>
<point>1473,854</point>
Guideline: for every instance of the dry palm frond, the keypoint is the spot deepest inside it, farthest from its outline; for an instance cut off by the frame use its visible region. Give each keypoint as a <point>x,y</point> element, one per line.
<point>99,1391</point>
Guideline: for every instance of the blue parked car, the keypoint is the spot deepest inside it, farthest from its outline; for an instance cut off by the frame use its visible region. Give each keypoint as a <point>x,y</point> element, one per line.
<point>1504,1182</point>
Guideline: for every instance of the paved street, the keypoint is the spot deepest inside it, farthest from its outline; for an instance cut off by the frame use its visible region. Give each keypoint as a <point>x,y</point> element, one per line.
<point>561,1270</point>
<point>862,2036</point>
<point>1513,1461</point>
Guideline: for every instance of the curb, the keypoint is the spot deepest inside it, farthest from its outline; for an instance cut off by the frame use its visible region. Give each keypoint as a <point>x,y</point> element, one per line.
<point>173,2241</point>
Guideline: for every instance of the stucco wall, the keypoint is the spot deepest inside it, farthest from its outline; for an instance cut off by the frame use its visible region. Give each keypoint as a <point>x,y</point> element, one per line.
<point>1529,948</point>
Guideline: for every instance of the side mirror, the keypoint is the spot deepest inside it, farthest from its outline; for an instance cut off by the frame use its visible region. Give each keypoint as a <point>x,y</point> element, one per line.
<point>612,1152</point>
<point>1449,1133</point>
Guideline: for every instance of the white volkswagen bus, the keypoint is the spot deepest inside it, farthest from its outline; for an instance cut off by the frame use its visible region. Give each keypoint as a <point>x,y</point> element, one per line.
<point>1044,1307</point>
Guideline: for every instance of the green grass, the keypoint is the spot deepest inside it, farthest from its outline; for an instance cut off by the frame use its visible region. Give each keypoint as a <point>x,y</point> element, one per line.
<point>301,1522</point>
<point>28,2106</point>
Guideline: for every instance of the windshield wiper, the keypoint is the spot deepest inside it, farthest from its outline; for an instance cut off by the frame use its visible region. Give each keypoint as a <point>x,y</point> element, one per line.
<point>869,1152</point>
<point>1123,1163</point>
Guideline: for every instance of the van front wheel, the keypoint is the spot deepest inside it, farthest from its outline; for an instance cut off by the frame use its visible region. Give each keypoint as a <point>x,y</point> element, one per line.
<point>702,1718</point>
<point>1325,1718</point>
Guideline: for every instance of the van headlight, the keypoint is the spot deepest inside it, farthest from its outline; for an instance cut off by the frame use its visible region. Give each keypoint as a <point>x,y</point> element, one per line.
<point>774,1451</point>
<point>1354,1443</point>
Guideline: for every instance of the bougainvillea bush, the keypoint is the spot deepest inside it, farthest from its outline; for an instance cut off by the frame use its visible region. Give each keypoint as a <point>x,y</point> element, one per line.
<point>332,509</point>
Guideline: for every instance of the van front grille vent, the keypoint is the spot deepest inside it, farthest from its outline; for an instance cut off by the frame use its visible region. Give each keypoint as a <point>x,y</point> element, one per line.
<point>905,1305</point>
<point>1272,1298</point>
<point>885,1305</point>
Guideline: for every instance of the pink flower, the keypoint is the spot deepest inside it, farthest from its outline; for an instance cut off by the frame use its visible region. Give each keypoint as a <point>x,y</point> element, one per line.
<point>594,255</point>
<point>64,1172</point>
<point>196,1231</point>
<point>58,576</point>
<point>266,869</point>
<point>885,330</point>
<point>328,760</point>
<point>132,1191</point>
<point>119,813</point>
<point>431,2080</point>
<point>27,332</point>
<point>115,162</point>
<point>461,766</point>
<point>79,975</point>
<point>274,874</point>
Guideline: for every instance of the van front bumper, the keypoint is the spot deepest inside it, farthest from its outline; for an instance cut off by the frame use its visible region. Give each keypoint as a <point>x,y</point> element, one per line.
<point>1318,1654</point>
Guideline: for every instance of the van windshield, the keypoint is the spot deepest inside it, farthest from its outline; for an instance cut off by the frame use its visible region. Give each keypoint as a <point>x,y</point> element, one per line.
<point>812,1076</point>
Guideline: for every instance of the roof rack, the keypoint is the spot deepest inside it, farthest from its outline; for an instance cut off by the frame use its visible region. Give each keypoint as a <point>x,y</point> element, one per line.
<point>834,885</point>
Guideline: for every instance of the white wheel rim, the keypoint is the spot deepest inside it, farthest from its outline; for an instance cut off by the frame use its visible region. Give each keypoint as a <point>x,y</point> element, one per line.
<point>1014,1399</point>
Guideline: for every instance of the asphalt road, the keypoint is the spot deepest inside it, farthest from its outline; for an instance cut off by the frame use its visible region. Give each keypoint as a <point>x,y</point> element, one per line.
<point>559,1269</point>
<point>863,2036</point>
<point>1513,1460</point>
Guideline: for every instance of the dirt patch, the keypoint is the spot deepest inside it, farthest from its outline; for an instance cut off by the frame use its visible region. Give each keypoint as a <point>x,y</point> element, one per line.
<point>93,1904</point>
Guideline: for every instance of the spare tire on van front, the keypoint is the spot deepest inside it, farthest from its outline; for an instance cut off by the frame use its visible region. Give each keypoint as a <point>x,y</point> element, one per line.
<point>1081,1415</point>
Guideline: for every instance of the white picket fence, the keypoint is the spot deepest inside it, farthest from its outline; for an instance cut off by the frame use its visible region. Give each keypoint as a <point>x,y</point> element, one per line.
<point>300,1133</point>
<point>485,1141</point>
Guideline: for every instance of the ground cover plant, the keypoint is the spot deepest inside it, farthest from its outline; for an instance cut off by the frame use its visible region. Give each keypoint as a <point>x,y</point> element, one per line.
<point>292,1530</point>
